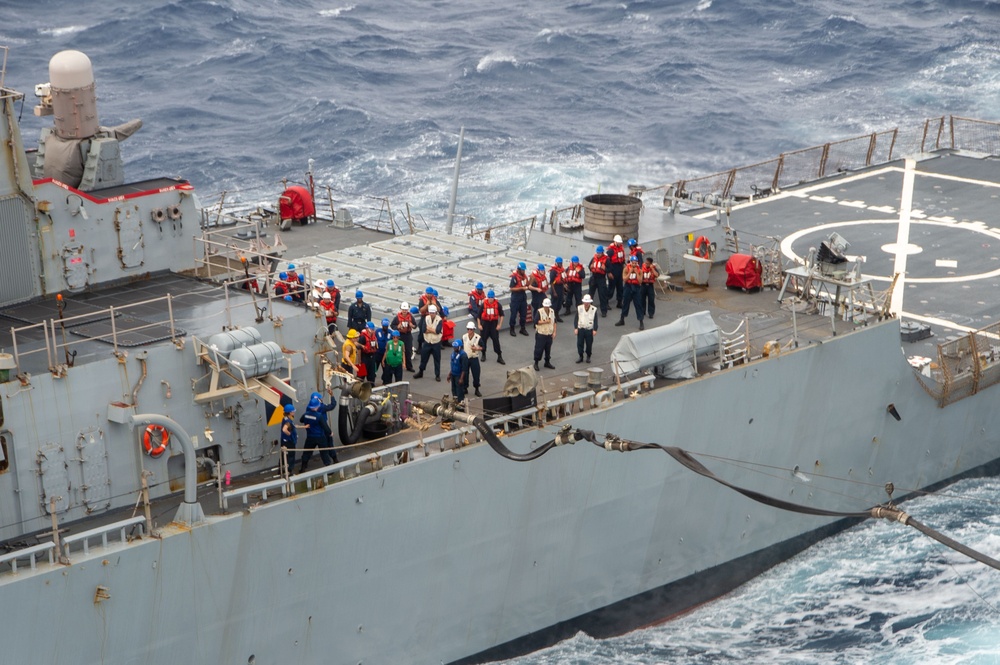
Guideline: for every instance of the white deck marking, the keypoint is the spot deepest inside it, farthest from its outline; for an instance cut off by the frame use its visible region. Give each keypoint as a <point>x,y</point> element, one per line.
<point>946,263</point>
<point>903,236</point>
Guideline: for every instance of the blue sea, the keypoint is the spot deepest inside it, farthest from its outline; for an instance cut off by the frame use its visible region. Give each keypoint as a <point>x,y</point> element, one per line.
<point>561,100</point>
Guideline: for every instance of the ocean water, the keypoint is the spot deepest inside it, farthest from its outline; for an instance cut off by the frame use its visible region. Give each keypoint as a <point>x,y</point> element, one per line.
<point>559,101</point>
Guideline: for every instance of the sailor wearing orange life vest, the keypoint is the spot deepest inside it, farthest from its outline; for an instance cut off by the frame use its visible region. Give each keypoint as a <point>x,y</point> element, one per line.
<point>634,249</point>
<point>632,276</point>
<point>476,298</point>
<point>519,298</point>
<point>599,278</point>
<point>538,284</point>
<point>575,273</point>
<point>557,278</point>
<point>650,271</point>
<point>616,265</point>
<point>490,323</point>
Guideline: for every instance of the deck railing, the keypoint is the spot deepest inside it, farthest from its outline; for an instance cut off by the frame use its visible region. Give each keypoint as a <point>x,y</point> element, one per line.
<point>31,554</point>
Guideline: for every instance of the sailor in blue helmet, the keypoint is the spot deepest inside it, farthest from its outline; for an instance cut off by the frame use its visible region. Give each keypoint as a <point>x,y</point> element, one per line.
<point>382,336</point>
<point>599,279</point>
<point>490,323</point>
<point>538,285</point>
<point>476,298</point>
<point>318,435</point>
<point>334,292</point>
<point>427,298</point>
<point>575,273</point>
<point>459,374</point>
<point>392,361</point>
<point>289,435</point>
<point>557,278</point>
<point>369,351</point>
<point>632,295</point>
<point>359,313</point>
<point>519,299</point>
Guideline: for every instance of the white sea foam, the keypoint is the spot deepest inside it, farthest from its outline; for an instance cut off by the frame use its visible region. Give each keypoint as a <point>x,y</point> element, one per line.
<point>65,30</point>
<point>491,60</point>
<point>334,13</point>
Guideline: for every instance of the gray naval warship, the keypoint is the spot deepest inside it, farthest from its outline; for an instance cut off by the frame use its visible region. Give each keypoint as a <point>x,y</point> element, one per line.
<point>146,514</point>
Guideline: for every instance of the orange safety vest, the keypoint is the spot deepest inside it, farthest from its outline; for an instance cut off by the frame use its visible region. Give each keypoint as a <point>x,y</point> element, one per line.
<point>617,253</point>
<point>649,273</point>
<point>404,322</point>
<point>632,275</point>
<point>540,281</point>
<point>599,264</point>
<point>573,273</point>
<point>491,310</point>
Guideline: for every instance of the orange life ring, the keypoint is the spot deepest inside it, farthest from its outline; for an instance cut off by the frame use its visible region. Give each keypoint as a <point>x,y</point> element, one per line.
<point>155,440</point>
<point>703,247</point>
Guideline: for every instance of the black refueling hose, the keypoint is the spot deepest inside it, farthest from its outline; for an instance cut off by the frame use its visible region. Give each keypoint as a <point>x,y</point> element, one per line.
<point>347,437</point>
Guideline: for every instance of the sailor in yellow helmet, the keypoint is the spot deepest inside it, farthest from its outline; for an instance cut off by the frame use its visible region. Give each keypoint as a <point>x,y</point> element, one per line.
<point>349,355</point>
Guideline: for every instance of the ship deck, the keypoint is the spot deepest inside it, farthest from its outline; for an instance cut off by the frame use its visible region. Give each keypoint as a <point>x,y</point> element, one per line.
<point>929,219</point>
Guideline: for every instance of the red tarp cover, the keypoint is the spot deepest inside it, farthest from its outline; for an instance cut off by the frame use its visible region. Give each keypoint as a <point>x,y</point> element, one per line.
<point>296,203</point>
<point>743,272</point>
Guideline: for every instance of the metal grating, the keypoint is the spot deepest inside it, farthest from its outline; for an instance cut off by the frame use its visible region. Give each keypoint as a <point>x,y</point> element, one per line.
<point>18,279</point>
<point>128,331</point>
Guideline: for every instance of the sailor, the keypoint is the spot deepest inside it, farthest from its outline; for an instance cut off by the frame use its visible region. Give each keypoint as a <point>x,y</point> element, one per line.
<point>545,332</point>
<point>369,351</point>
<point>599,278</point>
<point>633,282</point>
<point>318,435</point>
<point>329,311</point>
<point>459,371</point>
<point>519,298</point>
<point>392,361</point>
<point>427,298</point>
<point>350,356</point>
<point>282,287</point>
<point>405,324</point>
<point>634,249</point>
<point>296,284</point>
<point>382,336</point>
<point>447,328</point>
<point>585,327</point>
<point>557,278</point>
<point>616,265</point>
<point>538,284</point>
<point>470,344</point>
<point>575,273</point>
<point>359,313</point>
<point>289,435</point>
<point>490,323</point>
<point>476,298</point>
<point>415,313</point>
<point>430,331</point>
<point>316,295</point>
<point>650,271</point>
<point>334,292</point>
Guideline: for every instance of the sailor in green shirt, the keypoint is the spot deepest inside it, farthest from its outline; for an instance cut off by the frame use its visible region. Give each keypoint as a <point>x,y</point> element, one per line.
<point>392,361</point>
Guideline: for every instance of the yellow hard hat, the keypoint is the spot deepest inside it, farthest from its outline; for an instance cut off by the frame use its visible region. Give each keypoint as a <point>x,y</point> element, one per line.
<point>352,333</point>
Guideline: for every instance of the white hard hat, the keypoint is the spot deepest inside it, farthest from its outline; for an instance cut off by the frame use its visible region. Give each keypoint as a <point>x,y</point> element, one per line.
<point>587,298</point>
<point>319,284</point>
<point>327,296</point>
<point>432,309</point>
<point>404,305</point>
<point>618,238</point>
<point>470,325</point>
<point>546,303</point>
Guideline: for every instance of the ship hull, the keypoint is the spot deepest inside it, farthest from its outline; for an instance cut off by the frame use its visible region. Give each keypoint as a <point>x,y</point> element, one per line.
<point>448,556</point>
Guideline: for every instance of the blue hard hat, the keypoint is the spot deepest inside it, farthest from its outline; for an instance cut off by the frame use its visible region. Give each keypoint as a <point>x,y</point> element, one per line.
<point>521,266</point>
<point>291,266</point>
<point>314,403</point>
<point>394,333</point>
<point>414,310</point>
<point>288,298</point>
<point>457,344</point>
<point>302,279</point>
<point>316,396</point>
<point>434,292</point>
<point>634,258</point>
<point>491,294</point>
<point>329,283</point>
<point>429,290</point>
<point>370,325</point>
<point>558,259</point>
<point>631,242</point>
<point>289,408</point>
<point>385,323</point>
<point>575,259</point>
<point>541,266</point>
<point>479,286</point>
<point>444,310</point>
<point>358,294</point>
<point>600,249</point>
<point>283,275</point>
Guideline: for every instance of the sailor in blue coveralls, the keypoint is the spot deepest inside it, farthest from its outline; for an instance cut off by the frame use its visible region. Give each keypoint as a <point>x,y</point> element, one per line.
<point>519,299</point>
<point>289,435</point>
<point>318,433</point>
<point>459,370</point>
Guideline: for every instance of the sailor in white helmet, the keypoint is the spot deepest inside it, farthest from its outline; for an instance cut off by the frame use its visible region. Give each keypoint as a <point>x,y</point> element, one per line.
<point>405,323</point>
<point>585,327</point>
<point>545,333</point>
<point>616,265</point>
